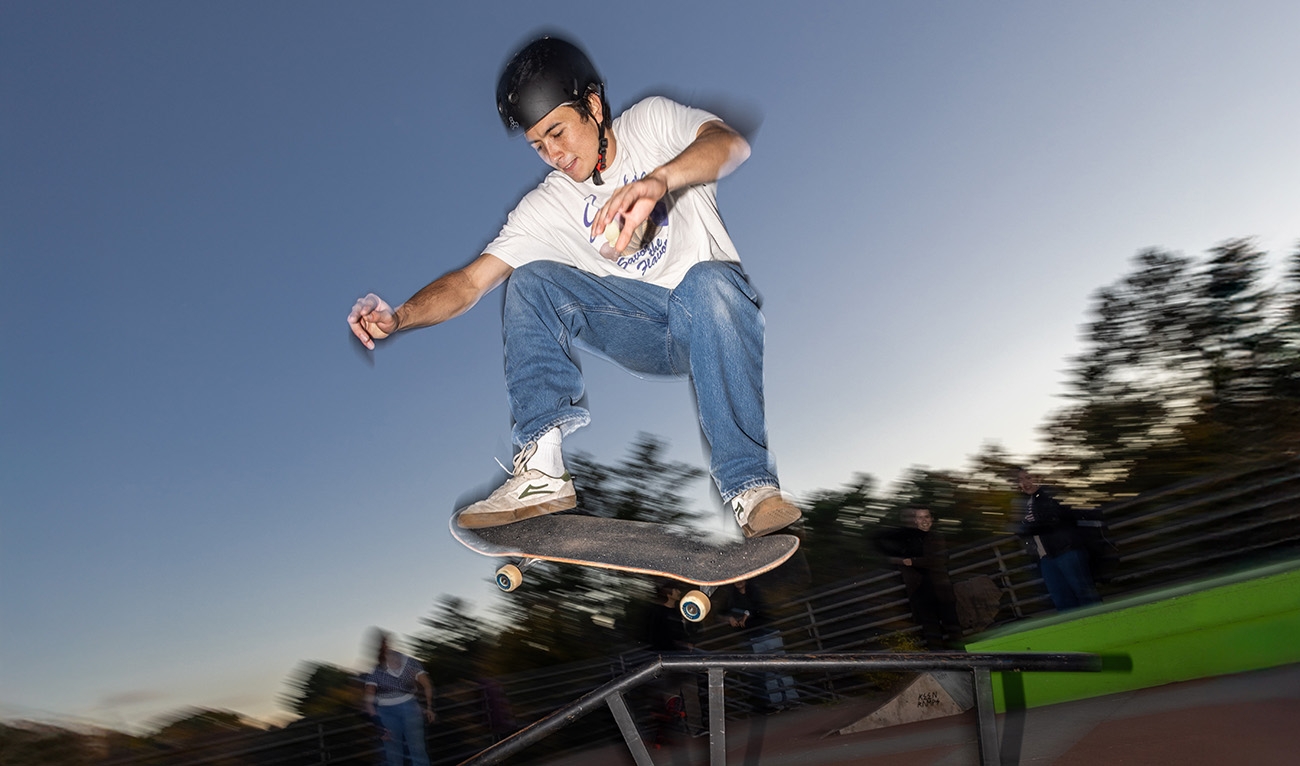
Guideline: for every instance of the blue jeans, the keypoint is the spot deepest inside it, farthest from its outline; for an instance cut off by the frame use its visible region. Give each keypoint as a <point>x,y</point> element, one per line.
<point>405,726</point>
<point>709,328</point>
<point>1068,580</point>
<point>780,689</point>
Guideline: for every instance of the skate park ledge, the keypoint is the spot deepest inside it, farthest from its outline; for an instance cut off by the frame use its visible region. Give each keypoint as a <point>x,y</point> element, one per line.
<point>1238,622</point>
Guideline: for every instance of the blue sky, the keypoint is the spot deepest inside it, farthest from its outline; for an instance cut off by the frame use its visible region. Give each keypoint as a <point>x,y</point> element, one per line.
<point>203,483</point>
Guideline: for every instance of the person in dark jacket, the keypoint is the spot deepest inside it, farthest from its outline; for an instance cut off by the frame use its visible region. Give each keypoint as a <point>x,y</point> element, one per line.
<point>922,558</point>
<point>1048,529</point>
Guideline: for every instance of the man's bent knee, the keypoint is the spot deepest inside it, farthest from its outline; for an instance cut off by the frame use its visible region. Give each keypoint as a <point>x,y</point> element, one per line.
<point>710,284</point>
<point>537,272</point>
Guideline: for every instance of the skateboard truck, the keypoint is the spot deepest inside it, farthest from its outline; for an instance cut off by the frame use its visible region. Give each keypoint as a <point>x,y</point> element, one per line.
<point>694,606</point>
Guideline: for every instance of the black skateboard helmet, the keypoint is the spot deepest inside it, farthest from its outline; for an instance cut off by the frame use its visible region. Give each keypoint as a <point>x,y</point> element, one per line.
<point>548,72</point>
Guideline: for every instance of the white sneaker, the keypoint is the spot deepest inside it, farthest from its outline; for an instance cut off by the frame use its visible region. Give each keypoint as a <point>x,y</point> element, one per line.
<point>527,493</point>
<point>763,510</point>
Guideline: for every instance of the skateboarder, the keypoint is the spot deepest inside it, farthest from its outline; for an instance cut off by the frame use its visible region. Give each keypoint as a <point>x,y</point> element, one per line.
<point>621,251</point>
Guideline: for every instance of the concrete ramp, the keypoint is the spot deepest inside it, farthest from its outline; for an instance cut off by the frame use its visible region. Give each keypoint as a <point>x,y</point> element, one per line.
<point>935,694</point>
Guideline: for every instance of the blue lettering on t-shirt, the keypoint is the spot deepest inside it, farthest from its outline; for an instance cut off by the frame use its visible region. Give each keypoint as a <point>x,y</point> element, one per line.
<point>644,259</point>
<point>589,213</point>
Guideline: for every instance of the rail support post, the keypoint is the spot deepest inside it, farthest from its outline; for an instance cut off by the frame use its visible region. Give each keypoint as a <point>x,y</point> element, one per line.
<point>631,735</point>
<point>990,753</point>
<point>717,719</point>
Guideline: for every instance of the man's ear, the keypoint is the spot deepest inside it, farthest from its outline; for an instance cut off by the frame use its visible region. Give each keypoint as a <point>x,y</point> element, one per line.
<point>596,106</point>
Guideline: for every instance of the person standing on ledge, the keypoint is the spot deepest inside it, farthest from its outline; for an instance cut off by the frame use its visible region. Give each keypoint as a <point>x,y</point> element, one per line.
<point>620,251</point>
<point>1049,530</point>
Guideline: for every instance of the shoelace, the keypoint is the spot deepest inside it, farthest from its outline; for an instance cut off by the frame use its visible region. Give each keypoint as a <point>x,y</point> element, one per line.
<point>521,459</point>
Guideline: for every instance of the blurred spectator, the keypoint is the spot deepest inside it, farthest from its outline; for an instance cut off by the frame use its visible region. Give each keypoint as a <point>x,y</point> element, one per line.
<point>665,630</point>
<point>391,692</point>
<point>677,695</point>
<point>748,612</point>
<point>922,559</point>
<point>501,717</point>
<point>1049,530</point>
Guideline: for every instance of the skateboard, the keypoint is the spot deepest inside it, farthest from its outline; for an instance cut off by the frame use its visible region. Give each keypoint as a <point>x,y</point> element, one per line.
<point>626,546</point>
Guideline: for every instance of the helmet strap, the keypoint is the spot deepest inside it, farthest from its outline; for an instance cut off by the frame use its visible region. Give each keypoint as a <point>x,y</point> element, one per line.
<point>601,164</point>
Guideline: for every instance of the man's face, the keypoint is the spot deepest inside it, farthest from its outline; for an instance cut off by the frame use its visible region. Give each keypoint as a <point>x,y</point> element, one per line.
<point>567,142</point>
<point>923,520</point>
<point>1026,483</point>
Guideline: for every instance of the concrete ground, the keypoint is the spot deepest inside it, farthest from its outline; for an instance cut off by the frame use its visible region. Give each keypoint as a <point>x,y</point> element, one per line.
<point>1249,718</point>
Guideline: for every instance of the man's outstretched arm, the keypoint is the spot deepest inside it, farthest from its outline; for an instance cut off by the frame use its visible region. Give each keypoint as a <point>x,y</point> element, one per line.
<point>448,296</point>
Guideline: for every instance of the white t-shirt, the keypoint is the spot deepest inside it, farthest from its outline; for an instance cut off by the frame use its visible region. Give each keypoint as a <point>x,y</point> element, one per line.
<point>553,221</point>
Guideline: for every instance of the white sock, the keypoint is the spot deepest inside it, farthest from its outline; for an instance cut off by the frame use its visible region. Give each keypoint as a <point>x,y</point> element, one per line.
<point>548,458</point>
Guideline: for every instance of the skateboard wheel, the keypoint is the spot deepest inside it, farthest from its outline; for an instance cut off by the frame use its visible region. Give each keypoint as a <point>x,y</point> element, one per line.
<point>509,577</point>
<point>694,606</point>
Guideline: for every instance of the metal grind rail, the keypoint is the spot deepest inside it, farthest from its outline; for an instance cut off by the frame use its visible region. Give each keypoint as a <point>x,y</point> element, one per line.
<point>611,694</point>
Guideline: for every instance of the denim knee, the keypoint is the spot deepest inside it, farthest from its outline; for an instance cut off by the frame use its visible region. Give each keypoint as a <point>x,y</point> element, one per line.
<point>715,288</point>
<point>532,275</point>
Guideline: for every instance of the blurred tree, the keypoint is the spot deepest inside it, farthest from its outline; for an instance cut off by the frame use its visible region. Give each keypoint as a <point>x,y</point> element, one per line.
<point>321,689</point>
<point>644,486</point>
<point>1230,333</point>
<point>1291,293</point>
<point>967,505</point>
<point>1181,373</point>
<point>837,530</point>
<point>41,745</point>
<point>117,745</point>
<point>922,487</point>
<point>453,643</point>
<point>1282,349</point>
<point>199,725</point>
<point>988,502</point>
<point>214,729</point>
<point>328,700</point>
<point>1136,380</point>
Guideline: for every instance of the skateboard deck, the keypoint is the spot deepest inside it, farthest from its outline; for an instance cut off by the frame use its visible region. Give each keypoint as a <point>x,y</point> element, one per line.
<point>625,546</point>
